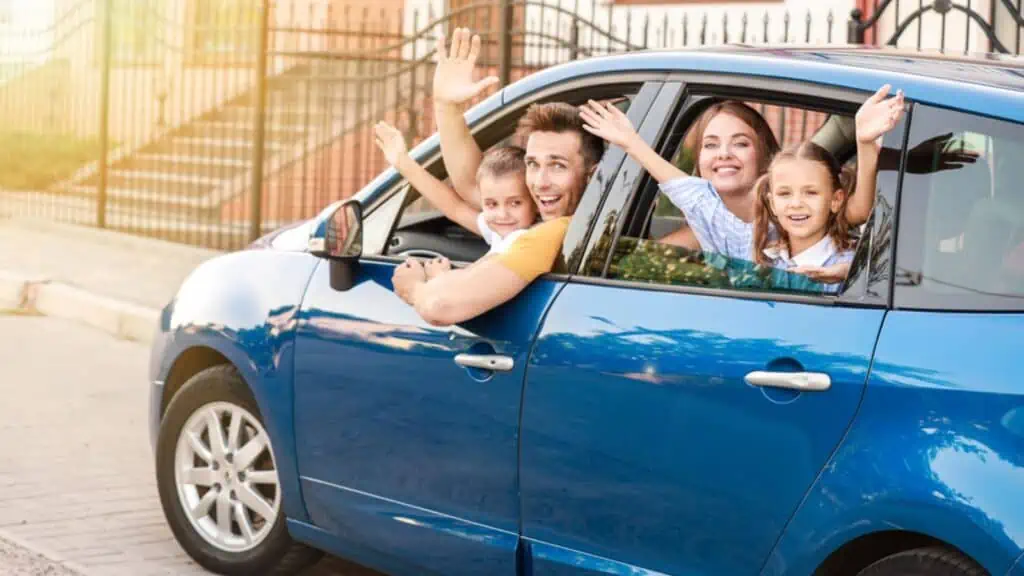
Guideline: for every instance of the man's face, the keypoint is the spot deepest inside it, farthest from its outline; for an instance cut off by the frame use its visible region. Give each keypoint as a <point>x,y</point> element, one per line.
<point>556,173</point>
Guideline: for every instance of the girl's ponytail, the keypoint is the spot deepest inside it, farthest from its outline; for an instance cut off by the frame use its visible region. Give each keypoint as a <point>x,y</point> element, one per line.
<point>764,218</point>
<point>838,227</point>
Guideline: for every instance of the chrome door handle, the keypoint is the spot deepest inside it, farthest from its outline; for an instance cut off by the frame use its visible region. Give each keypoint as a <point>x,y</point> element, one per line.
<point>485,362</point>
<point>802,381</point>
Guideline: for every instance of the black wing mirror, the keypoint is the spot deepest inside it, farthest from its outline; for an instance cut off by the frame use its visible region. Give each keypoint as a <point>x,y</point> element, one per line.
<point>338,237</point>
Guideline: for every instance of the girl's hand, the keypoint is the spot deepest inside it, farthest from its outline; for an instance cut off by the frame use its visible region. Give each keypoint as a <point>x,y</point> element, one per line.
<point>608,122</point>
<point>390,141</point>
<point>825,274</point>
<point>878,115</point>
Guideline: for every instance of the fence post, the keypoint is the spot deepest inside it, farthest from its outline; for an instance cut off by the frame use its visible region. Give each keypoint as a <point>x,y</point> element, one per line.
<point>854,32</point>
<point>505,18</point>
<point>259,132</point>
<point>106,54</point>
<point>574,39</point>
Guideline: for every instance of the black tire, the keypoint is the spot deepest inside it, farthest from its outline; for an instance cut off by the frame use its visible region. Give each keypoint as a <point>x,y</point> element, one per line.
<point>935,561</point>
<point>277,554</point>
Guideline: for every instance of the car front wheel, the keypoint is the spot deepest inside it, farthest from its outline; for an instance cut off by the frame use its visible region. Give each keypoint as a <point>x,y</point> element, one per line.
<point>218,480</point>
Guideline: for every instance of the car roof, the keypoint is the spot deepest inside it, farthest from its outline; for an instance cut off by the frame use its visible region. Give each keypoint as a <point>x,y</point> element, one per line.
<point>986,84</point>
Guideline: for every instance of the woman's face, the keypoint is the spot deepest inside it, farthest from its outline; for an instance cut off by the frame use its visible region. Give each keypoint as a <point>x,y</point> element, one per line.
<point>728,155</point>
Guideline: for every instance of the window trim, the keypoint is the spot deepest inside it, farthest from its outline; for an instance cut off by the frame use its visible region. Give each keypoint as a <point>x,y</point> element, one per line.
<point>698,87</point>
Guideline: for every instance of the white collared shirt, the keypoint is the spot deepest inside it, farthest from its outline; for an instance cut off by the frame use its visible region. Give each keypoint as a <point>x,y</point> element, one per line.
<point>497,242</point>
<point>822,253</point>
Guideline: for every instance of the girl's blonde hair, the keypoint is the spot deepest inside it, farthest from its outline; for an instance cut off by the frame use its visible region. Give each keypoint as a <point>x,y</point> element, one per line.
<point>837,227</point>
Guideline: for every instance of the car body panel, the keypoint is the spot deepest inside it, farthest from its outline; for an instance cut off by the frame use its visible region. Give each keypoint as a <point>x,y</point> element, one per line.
<point>400,448</point>
<point>936,448</point>
<point>642,443</point>
<point>243,306</point>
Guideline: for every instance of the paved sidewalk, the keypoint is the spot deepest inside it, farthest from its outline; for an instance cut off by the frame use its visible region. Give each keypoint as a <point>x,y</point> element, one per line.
<point>20,560</point>
<point>112,281</point>
<point>140,270</point>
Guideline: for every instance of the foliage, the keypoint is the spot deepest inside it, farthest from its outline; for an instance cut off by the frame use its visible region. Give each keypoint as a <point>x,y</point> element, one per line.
<point>654,262</point>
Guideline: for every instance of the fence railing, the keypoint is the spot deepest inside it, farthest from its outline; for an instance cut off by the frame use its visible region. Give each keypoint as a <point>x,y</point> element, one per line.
<point>210,122</point>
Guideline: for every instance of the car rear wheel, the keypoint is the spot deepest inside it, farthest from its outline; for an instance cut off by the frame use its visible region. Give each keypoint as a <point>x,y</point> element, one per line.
<point>218,480</point>
<point>933,561</point>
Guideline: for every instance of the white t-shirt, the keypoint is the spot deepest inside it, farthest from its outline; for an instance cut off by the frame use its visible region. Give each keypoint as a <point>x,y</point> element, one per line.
<point>497,243</point>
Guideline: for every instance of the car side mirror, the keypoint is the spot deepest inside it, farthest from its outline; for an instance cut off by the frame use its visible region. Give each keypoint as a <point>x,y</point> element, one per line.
<point>337,236</point>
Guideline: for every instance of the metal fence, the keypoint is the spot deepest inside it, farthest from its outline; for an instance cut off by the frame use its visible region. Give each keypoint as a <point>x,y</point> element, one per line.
<point>210,122</point>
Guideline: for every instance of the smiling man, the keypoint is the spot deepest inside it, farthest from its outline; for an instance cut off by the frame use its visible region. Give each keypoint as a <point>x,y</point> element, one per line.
<point>560,157</point>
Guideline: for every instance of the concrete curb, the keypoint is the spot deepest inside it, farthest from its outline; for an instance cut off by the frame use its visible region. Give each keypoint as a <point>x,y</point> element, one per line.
<point>121,319</point>
<point>43,552</point>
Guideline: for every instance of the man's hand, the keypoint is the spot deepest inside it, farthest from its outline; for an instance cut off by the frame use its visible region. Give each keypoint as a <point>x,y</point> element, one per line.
<point>878,115</point>
<point>391,142</point>
<point>608,122</point>
<point>453,78</point>
<point>824,274</point>
<point>405,278</point>
<point>437,266</point>
<point>931,156</point>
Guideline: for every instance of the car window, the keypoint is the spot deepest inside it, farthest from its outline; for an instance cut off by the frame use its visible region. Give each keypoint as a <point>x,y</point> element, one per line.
<point>646,249</point>
<point>422,230</point>
<point>961,235</point>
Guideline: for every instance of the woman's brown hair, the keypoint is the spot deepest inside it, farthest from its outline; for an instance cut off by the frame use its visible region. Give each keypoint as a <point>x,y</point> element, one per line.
<point>837,227</point>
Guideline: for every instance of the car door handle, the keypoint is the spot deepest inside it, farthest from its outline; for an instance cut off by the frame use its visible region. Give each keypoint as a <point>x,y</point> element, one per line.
<point>485,362</point>
<point>802,381</point>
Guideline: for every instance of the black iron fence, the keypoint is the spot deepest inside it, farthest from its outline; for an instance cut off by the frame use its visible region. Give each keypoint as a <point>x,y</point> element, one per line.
<point>212,121</point>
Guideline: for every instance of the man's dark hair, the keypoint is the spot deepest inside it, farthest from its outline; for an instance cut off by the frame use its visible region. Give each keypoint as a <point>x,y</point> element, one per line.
<point>562,117</point>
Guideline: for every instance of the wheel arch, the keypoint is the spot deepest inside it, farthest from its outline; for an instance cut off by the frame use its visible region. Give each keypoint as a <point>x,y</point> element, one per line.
<point>189,363</point>
<point>859,553</point>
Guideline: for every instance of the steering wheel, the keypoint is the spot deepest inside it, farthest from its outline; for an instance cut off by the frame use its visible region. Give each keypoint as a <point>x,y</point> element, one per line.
<point>419,253</point>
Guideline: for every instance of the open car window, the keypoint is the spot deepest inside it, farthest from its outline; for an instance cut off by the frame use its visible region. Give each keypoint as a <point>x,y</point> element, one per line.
<point>422,230</point>
<point>647,248</point>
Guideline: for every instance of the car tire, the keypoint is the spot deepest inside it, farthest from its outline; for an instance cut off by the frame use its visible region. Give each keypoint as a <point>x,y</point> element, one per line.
<point>194,475</point>
<point>934,561</point>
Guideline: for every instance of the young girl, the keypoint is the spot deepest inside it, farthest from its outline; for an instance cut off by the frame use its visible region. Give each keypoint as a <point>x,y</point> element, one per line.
<point>507,209</point>
<point>802,201</point>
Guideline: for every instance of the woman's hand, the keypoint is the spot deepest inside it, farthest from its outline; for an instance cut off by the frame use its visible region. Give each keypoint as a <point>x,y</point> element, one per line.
<point>608,122</point>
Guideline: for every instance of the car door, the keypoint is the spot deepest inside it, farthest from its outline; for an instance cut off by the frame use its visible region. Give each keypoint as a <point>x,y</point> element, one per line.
<point>664,427</point>
<point>407,455</point>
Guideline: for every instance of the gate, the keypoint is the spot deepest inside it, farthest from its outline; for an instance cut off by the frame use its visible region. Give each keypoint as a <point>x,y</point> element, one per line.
<point>961,26</point>
<point>210,122</point>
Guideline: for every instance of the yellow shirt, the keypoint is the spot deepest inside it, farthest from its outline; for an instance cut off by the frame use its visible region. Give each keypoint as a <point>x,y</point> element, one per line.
<point>536,251</point>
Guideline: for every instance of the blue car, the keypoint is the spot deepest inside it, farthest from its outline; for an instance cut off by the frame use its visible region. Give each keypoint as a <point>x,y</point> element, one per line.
<point>643,410</point>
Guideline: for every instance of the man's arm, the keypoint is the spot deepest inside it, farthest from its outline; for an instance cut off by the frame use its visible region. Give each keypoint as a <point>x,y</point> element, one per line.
<point>458,295</point>
<point>453,88</point>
